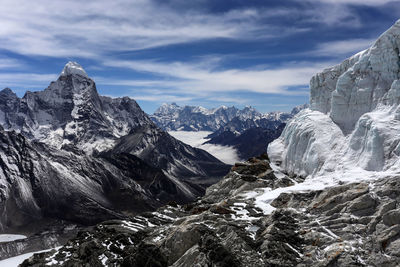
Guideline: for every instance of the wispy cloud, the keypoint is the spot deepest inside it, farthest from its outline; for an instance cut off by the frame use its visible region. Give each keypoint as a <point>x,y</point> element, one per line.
<point>200,78</point>
<point>9,63</point>
<point>355,2</point>
<point>163,98</point>
<point>26,80</point>
<point>342,48</point>
<point>95,28</point>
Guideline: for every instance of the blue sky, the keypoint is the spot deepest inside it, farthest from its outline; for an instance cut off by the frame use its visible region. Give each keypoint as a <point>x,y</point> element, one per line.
<point>200,52</point>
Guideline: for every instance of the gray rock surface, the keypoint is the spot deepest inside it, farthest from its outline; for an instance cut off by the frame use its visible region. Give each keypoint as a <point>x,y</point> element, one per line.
<point>352,224</point>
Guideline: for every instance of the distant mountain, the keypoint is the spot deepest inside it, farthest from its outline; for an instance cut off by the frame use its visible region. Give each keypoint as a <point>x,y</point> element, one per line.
<point>247,130</point>
<point>68,153</point>
<point>172,117</point>
<point>249,143</point>
<point>271,121</point>
<point>251,137</point>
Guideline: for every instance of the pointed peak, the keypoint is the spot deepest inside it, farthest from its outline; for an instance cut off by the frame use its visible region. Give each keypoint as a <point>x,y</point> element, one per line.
<point>72,68</point>
<point>7,91</point>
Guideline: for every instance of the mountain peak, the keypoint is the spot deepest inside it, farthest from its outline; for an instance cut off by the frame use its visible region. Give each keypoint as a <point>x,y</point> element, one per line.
<point>72,68</point>
<point>7,91</point>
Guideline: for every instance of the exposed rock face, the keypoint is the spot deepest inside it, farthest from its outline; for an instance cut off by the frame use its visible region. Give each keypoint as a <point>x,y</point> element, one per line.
<point>165,152</point>
<point>355,224</point>
<point>40,183</point>
<point>70,111</point>
<point>353,121</point>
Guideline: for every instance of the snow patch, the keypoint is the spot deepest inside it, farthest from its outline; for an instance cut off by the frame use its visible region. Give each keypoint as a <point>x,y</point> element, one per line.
<point>73,68</point>
<point>11,237</point>
<point>16,261</point>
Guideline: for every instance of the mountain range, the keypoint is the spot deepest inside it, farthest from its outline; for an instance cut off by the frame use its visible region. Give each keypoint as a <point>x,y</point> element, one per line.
<point>247,130</point>
<point>326,194</point>
<point>69,154</point>
<point>172,117</point>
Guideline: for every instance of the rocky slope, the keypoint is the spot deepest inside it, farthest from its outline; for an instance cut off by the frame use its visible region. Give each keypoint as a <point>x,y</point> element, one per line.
<point>355,224</point>
<point>39,184</point>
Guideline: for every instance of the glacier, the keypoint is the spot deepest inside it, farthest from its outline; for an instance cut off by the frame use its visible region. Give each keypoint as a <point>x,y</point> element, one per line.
<point>353,123</point>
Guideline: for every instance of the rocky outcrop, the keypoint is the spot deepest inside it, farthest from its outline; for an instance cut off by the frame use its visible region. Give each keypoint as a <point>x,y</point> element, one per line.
<point>354,224</point>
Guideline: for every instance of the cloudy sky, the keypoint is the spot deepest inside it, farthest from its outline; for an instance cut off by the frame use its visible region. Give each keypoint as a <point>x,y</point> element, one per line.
<point>200,52</point>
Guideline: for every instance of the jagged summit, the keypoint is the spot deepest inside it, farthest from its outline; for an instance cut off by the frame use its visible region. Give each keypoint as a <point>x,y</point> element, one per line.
<point>72,68</point>
<point>7,92</point>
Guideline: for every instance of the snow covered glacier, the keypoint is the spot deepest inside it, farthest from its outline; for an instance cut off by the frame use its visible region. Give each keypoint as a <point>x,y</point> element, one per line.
<point>353,124</point>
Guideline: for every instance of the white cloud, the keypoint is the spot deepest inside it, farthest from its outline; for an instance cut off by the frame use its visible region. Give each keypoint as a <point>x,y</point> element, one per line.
<point>356,2</point>
<point>198,78</point>
<point>26,80</point>
<point>162,99</point>
<point>226,154</point>
<point>96,28</point>
<point>344,47</point>
<point>9,63</point>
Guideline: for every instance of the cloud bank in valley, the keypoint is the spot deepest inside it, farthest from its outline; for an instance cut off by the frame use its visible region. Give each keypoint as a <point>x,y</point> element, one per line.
<point>225,154</point>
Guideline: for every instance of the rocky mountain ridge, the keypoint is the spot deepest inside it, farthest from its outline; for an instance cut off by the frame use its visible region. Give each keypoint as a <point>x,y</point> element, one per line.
<point>71,156</point>
<point>70,112</point>
<point>356,224</point>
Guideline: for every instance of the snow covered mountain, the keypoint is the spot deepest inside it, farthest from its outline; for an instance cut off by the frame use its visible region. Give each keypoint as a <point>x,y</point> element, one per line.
<point>247,130</point>
<point>271,120</point>
<point>352,128</point>
<point>70,111</point>
<point>250,137</point>
<point>68,153</point>
<point>172,117</point>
